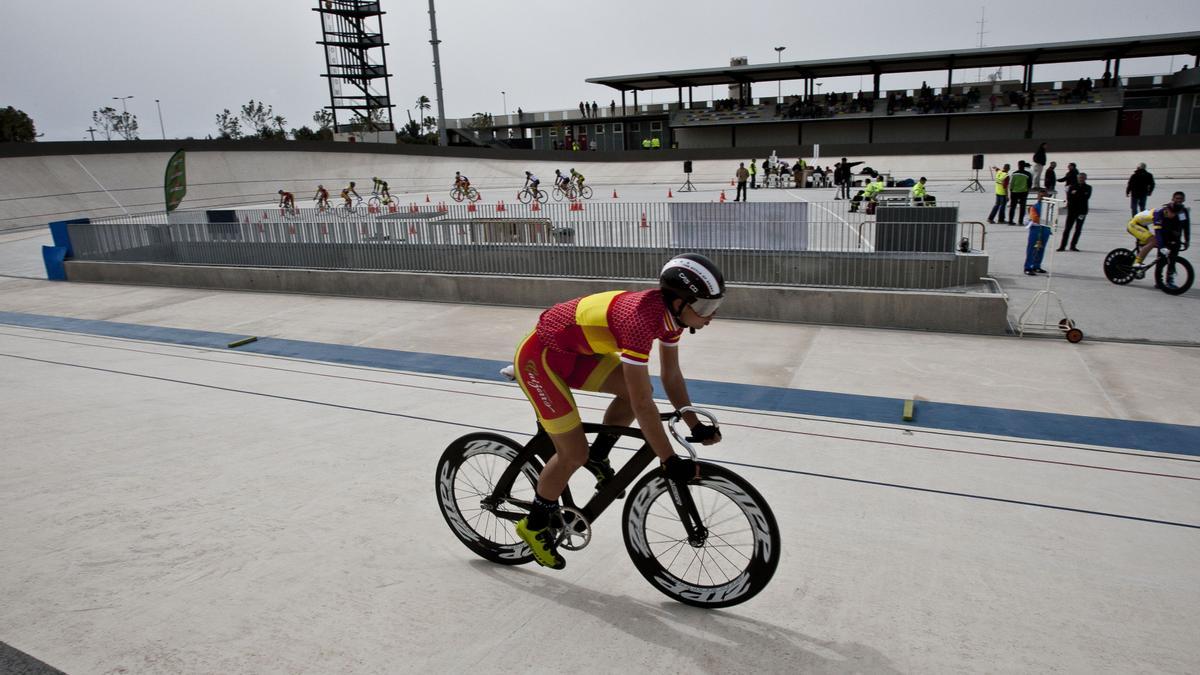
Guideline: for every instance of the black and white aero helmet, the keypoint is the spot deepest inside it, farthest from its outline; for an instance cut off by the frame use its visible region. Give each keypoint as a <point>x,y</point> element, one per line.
<point>694,279</point>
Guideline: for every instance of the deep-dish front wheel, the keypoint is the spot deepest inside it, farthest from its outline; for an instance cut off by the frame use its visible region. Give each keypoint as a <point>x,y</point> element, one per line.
<point>467,475</point>
<point>1181,277</point>
<point>734,560</point>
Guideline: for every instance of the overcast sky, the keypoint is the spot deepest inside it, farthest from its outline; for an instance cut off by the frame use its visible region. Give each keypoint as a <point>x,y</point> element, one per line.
<point>62,59</point>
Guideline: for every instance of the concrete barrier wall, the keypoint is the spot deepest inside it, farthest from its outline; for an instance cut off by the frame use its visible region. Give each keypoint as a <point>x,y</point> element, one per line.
<point>982,313</point>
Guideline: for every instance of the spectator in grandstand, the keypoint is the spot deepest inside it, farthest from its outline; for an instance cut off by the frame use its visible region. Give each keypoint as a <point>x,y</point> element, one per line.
<point>612,107</point>
<point>1077,209</point>
<point>1019,183</point>
<point>1139,187</point>
<point>1039,163</point>
<point>742,176</point>
<point>582,113</point>
<point>1001,180</point>
<point>1051,178</point>
<point>1071,177</point>
<point>594,108</point>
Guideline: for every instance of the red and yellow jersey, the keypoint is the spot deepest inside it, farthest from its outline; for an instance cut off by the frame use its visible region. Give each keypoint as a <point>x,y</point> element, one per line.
<point>615,322</point>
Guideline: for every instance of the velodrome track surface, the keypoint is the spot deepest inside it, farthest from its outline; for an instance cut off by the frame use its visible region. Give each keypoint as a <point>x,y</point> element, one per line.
<point>171,505</point>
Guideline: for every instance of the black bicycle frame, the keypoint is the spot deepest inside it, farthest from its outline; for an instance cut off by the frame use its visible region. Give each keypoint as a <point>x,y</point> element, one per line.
<point>542,447</point>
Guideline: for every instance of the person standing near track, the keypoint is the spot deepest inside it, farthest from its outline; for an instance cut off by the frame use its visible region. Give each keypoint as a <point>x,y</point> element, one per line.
<point>742,176</point>
<point>1139,188</point>
<point>1039,163</point>
<point>1078,196</point>
<point>754,174</point>
<point>602,342</point>
<point>1001,180</point>
<point>1019,183</point>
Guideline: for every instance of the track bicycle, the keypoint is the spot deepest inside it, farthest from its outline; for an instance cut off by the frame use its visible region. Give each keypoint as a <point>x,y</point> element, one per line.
<point>350,210</point>
<point>526,195</point>
<point>711,543</point>
<point>375,201</point>
<point>1120,269</point>
<point>561,192</point>
<point>458,194</point>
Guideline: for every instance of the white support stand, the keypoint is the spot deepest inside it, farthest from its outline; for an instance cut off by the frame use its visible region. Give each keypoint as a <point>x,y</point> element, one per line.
<point>1065,324</point>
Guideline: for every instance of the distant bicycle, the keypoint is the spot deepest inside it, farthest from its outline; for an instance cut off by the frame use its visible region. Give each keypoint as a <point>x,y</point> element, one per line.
<point>374,202</point>
<point>471,194</point>
<point>348,210</point>
<point>526,195</point>
<point>1173,278</point>
<point>572,192</point>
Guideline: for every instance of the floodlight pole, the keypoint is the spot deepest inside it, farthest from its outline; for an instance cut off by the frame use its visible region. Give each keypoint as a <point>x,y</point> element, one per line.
<point>443,139</point>
<point>779,83</point>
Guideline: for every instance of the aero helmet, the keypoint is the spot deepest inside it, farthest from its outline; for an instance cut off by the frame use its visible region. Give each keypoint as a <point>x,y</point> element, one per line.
<point>694,279</point>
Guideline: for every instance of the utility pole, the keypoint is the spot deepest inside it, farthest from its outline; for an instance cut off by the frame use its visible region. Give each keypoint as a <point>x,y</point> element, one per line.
<point>779,83</point>
<point>443,138</point>
<point>161,128</point>
<point>91,131</point>
<point>982,22</point>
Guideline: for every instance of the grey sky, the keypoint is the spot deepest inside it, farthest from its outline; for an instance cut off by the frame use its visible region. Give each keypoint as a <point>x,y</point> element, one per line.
<point>66,58</point>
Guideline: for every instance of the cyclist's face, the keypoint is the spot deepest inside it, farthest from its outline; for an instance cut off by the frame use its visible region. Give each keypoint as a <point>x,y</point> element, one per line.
<point>1177,200</point>
<point>691,319</point>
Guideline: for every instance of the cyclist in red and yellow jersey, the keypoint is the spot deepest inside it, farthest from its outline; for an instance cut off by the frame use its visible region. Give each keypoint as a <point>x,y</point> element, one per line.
<point>287,200</point>
<point>602,343</point>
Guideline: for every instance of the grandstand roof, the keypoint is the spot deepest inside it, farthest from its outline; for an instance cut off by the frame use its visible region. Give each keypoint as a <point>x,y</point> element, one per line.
<point>1170,44</point>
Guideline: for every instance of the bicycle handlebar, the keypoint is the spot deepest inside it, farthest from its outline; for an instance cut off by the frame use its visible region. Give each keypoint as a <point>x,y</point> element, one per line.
<point>673,418</point>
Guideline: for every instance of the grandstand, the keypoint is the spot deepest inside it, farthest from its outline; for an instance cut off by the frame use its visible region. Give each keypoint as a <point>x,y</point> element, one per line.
<point>1098,105</point>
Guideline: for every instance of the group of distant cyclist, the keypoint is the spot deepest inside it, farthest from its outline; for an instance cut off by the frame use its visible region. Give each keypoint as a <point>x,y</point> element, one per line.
<point>571,185</point>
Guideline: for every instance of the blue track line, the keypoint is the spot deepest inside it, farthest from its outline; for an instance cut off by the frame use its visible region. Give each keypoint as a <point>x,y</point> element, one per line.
<point>1149,436</point>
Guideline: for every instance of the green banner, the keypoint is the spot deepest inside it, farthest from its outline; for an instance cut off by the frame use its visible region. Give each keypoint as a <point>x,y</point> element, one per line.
<point>175,180</point>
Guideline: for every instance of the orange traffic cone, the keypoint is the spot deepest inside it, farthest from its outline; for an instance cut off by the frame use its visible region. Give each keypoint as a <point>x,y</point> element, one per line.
<point>614,194</point>
<point>392,207</point>
<point>500,206</point>
<point>426,199</point>
<point>536,206</point>
<point>471,207</point>
<point>372,209</point>
<point>731,182</point>
<point>441,207</point>
<point>722,196</point>
<point>643,220</point>
<point>413,208</point>
<point>669,195</point>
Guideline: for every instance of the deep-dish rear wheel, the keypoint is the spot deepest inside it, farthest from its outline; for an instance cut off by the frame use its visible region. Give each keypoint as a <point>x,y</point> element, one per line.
<point>1181,277</point>
<point>1118,266</point>
<point>467,475</point>
<point>733,560</point>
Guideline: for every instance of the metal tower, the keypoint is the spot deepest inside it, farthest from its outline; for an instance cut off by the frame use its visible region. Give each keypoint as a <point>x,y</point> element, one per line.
<point>351,30</point>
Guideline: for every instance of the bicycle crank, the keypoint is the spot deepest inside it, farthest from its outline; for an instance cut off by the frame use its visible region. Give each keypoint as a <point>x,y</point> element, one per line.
<point>574,532</point>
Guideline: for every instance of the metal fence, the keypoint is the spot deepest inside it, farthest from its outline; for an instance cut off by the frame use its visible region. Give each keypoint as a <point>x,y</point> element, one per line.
<point>776,243</point>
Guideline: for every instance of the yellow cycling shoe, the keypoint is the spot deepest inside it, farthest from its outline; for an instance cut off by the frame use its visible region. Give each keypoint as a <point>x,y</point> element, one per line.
<point>541,542</point>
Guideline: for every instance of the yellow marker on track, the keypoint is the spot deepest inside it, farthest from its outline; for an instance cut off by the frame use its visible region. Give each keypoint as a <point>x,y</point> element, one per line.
<point>243,341</point>
<point>909,404</point>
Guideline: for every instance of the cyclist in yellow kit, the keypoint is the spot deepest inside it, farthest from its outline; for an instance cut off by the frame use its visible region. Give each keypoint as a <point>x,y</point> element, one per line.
<point>347,191</point>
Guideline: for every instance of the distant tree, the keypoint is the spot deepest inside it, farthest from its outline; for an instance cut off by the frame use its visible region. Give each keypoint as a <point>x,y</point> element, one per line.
<point>228,126</point>
<point>279,121</point>
<point>480,121</point>
<point>111,122</point>
<point>305,134</point>
<point>411,131</point>
<point>16,126</point>
<point>430,124</point>
<point>324,119</point>
<point>257,116</point>
<point>423,105</point>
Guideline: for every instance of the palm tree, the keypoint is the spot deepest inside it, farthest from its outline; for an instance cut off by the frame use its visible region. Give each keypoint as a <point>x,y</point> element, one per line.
<point>279,121</point>
<point>422,105</point>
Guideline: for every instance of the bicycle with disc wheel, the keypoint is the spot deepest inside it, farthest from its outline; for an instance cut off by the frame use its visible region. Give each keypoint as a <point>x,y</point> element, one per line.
<point>712,542</point>
<point>1173,277</point>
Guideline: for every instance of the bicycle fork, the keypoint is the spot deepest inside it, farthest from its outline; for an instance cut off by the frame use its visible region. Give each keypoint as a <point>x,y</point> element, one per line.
<point>685,506</point>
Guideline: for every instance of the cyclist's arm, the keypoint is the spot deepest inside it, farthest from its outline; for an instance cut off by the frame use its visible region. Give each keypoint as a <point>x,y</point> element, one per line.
<point>641,399</point>
<point>673,382</point>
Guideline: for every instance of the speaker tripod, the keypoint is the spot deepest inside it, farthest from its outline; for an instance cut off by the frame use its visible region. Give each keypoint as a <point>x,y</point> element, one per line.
<point>687,184</point>
<point>974,185</point>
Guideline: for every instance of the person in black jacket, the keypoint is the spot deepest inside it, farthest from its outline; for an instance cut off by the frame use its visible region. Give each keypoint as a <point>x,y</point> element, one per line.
<point>1039,163</point>
<point>1051,179</point>
<point>1077,209</point>
<point>1139,187</point>
<point>1072,175</point>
